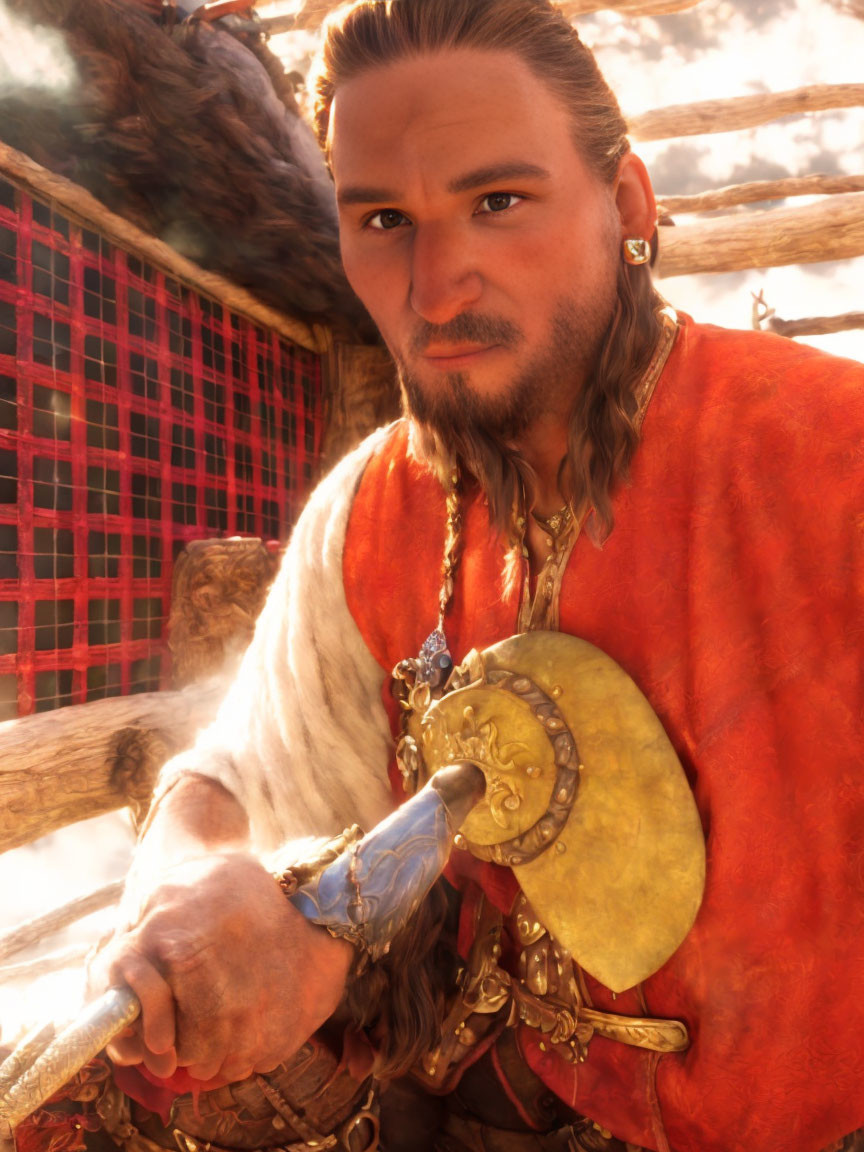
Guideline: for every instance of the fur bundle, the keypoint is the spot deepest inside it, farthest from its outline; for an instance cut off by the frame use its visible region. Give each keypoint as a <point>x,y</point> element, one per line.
<point>193,135</point>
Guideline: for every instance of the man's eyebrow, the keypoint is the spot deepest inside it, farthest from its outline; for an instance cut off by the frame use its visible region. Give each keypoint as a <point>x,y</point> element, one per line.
<point>495,173</point>
<point>476,178</point>
<point>365,194</point>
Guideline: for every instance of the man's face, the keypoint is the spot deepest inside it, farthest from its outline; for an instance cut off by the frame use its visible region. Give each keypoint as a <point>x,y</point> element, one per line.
<point>482,245</point>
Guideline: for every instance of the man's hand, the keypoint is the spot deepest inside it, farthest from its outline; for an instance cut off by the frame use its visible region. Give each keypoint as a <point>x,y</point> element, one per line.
<point>231,978</point>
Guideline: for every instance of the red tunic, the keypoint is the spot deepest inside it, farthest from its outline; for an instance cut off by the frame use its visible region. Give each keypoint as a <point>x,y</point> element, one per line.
<point>730,590</point>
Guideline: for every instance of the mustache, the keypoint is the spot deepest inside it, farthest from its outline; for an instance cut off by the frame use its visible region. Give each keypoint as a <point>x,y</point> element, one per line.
<point>470,327</point>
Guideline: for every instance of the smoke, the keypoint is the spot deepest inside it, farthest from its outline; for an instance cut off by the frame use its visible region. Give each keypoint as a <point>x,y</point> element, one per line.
<point>33,58</point>
<point>46,874</point>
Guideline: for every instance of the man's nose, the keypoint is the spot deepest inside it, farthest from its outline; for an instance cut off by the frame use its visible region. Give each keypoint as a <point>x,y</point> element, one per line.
<point>444,279</point>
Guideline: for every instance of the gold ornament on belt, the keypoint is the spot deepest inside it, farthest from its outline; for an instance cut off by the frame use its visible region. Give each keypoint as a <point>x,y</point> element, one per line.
<point>585,799</point>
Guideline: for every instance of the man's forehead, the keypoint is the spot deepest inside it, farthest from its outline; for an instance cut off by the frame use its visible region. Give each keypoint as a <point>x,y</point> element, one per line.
<point>459,111</point>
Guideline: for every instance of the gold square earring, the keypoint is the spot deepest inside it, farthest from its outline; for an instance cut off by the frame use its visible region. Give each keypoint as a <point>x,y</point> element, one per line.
<point>636,250</point>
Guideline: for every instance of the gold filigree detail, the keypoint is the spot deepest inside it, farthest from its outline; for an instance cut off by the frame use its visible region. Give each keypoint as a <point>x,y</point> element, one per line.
<point>478,741</point>
<point>543,994</point>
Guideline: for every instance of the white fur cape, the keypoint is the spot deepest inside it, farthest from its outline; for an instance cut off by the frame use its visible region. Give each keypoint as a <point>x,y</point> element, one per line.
<point>302,738</point>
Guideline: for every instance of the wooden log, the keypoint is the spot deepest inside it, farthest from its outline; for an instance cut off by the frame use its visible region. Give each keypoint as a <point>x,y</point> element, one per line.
<point>36,930</point>
<point>851,7</point>
<point>573,8</point>
<point>71,957</point>
<point>757,190</point>
<point>218,590</point>
<point>741,111</point>
<point>832,229</point>
<point>312,13</point>
<point>88,759</point>
<point>816,325</point>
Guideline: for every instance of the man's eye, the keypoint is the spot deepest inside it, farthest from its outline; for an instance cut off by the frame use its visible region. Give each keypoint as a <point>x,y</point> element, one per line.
<point>498,201</point>
<point>386,219</point>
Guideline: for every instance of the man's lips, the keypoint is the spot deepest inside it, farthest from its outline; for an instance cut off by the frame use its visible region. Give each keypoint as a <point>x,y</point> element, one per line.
<point>446,355</point>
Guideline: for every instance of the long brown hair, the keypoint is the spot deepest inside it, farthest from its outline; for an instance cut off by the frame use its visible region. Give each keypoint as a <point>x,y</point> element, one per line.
<point>602,434</point>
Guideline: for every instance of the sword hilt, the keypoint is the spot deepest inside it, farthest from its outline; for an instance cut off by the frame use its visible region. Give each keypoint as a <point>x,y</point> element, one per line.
<point>371,891</point>
<point>367,894</point>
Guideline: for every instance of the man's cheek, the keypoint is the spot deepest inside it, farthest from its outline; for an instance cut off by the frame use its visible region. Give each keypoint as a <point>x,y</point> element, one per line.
<point>352,267</point>
<point>373,286</point>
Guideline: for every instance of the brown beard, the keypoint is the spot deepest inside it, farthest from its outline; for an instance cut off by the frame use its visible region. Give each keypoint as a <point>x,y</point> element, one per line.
<point>595,361</point>
<point>455,414</point>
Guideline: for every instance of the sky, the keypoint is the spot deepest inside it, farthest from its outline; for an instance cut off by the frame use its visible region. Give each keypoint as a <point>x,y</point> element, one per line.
<point>720,48</point>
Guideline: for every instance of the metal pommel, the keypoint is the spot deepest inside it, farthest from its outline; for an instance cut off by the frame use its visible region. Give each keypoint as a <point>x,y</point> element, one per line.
<point>373,888</point>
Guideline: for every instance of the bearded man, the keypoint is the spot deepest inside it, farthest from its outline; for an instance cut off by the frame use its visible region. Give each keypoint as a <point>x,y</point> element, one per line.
<point>681,497</point>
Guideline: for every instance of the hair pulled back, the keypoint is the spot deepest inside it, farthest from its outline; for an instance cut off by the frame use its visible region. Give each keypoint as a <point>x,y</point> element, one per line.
<point>373,33</point>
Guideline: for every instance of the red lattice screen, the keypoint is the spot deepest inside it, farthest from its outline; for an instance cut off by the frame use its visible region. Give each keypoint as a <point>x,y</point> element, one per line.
<point>135,415</point>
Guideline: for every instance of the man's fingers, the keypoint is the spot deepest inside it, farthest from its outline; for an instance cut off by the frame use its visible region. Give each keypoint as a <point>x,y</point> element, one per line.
<point>162,1064</point>
<point>233,1070</point>
<point>207,1070</point>
<point>210,1002</point>
<point>157,1026</point>
<point>270,1063</point>
<point>127,1048</point>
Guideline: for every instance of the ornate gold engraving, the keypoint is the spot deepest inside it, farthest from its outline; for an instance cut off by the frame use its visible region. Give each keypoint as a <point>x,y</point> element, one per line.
<point>478,742</point>
<point>531,781</point>
<point>624,882</point>
<point>544,993</point>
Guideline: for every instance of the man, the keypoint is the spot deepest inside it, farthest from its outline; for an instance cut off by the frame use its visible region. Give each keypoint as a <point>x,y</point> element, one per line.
<point>683,498</point>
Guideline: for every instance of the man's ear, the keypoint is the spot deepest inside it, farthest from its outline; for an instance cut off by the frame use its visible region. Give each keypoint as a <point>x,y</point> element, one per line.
<point>634,199</point>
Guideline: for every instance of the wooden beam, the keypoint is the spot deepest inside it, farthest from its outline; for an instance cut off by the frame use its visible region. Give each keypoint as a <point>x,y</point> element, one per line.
<point>81,761</point>
<point>742,111</point>
<point>71,957</point>
<point>851,7</point>
<point>816,325</point>
<point>757,190</point>
<point>34,931</point>
<point>312,13</point>
<point>362,395</point>
<point>92,213</point>
<point>573,8</point>
<point>832,229</point>
<point>87,759</point>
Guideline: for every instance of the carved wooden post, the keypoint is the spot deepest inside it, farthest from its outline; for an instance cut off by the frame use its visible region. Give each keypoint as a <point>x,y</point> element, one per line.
<point>219,589</point>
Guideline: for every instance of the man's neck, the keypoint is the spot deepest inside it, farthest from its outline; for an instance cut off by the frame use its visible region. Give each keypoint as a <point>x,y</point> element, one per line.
<point>543,447</point>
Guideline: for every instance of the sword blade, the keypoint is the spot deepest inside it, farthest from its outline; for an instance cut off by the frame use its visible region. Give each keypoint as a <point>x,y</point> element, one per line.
<point>65,1055</point>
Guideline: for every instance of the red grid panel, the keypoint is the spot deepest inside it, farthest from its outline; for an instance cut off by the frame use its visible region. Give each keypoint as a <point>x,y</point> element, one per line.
<point>135,415</point>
